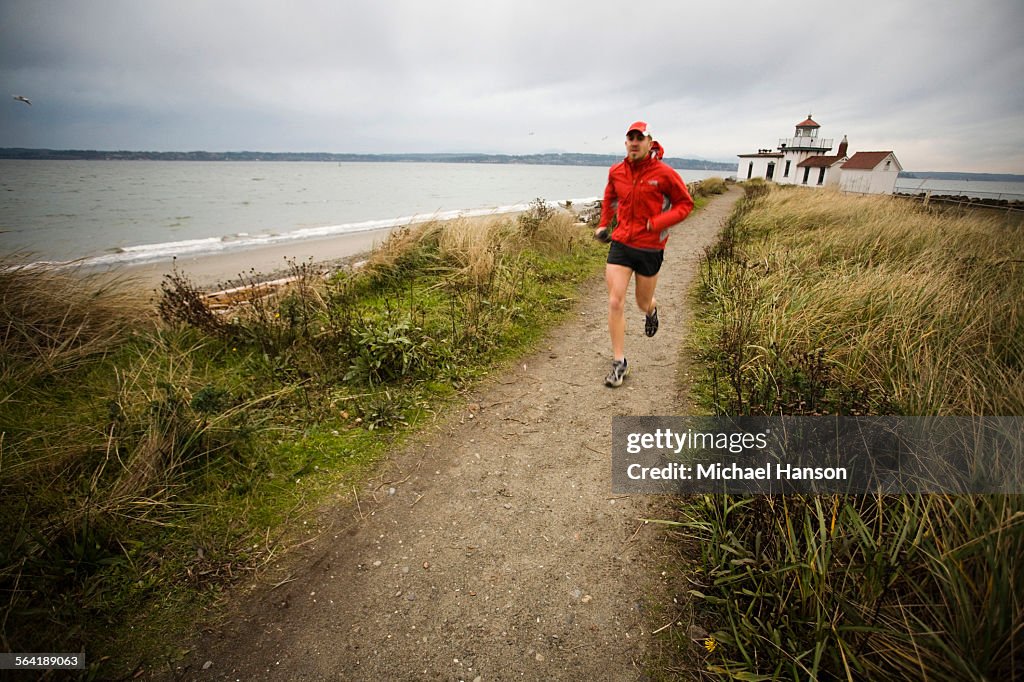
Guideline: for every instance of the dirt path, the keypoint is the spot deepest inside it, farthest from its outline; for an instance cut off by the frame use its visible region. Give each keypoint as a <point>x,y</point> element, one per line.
<point>494,548</point>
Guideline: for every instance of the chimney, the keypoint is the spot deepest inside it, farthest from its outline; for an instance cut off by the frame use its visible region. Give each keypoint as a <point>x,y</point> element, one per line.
<point>842,147</point>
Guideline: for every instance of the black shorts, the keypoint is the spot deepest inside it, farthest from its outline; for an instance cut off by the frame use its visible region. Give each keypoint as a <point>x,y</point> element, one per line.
<point>641,261</point>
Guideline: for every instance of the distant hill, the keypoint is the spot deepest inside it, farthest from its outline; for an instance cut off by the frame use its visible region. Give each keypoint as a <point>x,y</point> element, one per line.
<point>945,175</point>
<point>561,159</point>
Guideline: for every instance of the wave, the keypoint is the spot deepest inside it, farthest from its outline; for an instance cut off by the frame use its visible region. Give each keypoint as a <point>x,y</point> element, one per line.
<point>150,253</point>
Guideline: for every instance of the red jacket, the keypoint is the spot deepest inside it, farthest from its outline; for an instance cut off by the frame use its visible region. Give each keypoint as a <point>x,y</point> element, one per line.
<point>642,191</point>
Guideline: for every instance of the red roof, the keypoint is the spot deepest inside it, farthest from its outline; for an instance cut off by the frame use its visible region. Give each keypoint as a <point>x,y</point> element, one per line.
<point>809,123</point>
<point>818,161</point>
<point>865,160</point>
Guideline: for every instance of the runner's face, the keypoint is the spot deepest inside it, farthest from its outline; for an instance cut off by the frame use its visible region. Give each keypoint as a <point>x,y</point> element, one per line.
<point>638,145</point>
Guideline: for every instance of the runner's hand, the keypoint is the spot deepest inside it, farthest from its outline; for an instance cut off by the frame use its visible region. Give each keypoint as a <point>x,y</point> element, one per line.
<point>602,235</point>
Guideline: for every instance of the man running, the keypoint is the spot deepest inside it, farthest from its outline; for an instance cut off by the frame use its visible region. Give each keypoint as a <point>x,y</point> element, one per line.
<point>648,198</point>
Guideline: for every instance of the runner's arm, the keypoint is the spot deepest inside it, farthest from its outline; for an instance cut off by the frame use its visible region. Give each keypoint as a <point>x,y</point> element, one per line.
<point>682,204</point>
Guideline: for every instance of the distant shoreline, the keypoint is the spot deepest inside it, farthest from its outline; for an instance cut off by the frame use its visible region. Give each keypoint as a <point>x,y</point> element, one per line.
<point>554,159</point>
<point>947,175</point>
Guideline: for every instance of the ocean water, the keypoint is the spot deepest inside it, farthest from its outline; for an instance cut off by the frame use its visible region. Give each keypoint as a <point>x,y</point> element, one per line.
<point>109,212</point>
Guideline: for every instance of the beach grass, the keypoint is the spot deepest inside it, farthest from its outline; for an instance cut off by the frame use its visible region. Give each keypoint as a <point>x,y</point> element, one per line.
<point>150,458</point>
<point>818,303</point>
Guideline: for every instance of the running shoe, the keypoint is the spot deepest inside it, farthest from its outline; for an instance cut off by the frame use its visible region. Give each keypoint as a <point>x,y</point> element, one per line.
<point>619,371</point>
<point>651,323</point>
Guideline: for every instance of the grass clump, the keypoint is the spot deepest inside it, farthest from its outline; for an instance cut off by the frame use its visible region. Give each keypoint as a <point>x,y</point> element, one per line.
<point>816,303</point>
<point>710,187</point>
<point>148,458</point>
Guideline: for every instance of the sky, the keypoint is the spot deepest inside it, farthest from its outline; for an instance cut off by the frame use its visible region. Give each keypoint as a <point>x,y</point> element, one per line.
<point>932,81</point>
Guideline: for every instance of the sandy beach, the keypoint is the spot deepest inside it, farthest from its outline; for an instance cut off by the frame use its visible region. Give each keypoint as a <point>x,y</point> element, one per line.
<point>208,271</point>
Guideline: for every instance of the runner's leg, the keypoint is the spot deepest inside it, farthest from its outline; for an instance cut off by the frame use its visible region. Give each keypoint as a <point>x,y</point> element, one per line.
<point>645,293</point>
<point>617,279</point>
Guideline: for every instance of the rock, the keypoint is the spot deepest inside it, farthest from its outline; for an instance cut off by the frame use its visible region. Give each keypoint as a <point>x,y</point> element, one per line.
<point>206,666</point>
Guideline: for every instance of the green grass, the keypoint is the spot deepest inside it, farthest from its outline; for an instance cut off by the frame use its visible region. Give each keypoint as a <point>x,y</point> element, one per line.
<point>147,462</point>
<point>817,303</point>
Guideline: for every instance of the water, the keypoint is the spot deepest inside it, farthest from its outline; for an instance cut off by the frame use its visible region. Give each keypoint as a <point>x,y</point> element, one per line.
<point>109,212</point>
<point>978,189</point>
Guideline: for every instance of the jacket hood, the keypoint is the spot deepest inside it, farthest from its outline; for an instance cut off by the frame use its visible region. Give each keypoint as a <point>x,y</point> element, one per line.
<point>657,151</point>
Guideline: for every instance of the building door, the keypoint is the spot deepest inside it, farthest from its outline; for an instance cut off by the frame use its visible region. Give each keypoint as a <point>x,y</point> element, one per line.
<point>821,177</point>
<point>771,171</point>
<point>807,173</point>
<point>750,169</point>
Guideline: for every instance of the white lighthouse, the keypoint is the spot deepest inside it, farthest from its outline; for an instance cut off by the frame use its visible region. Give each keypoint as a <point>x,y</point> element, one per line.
<point>780,165</point>
<point>803,159</point>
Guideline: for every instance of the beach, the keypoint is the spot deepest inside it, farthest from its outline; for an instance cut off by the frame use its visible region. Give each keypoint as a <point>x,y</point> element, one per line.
<point>211,270</point>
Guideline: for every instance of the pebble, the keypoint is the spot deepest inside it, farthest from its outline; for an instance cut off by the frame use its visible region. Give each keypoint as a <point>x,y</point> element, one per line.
<point>206,666</point>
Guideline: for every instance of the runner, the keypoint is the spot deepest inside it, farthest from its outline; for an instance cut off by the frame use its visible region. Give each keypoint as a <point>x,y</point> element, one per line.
<point>648,198</point>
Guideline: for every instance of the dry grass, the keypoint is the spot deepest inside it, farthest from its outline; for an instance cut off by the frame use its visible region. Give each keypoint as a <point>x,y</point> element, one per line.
<point>916,304</point>
<point>468,250</point>
<point>53,320</point>
<point>709,187</point>
<point>823,303</point>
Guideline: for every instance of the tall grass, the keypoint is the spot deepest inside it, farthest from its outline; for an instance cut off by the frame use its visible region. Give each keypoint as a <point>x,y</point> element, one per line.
<point>901,310</point>
<point>52,323</point>
<point>146,456</point>
<point>821,303</point>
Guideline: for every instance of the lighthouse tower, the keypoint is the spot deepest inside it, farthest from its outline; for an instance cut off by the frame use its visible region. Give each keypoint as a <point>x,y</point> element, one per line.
<point>804,143</point>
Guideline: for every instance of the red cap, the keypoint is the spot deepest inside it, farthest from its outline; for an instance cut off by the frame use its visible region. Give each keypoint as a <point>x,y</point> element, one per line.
<point>640,126</point>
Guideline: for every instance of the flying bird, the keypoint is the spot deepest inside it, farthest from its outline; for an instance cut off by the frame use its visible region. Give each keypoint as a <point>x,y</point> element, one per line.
<point>21,98</point>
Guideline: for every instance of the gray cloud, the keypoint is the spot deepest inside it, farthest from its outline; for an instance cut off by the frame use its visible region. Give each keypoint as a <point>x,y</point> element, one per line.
<point>936,83</point>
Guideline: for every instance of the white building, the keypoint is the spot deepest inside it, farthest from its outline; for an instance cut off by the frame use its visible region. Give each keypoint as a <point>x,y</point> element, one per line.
<point>803,159</point>
<point>870,173</point>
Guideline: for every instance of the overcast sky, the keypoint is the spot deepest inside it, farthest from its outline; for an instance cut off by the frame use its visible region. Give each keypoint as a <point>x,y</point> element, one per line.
<point>937,82</point>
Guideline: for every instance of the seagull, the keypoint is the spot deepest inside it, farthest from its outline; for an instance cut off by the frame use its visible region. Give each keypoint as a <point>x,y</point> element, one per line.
<point>22,98</point>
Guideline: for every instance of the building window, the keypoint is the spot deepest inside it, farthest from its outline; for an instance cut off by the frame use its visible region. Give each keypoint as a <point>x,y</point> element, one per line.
<point>807,174</point>
<point>821,177</point>
<point>750,169</point>
<point>785,173</point>
<point>887,163</point>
